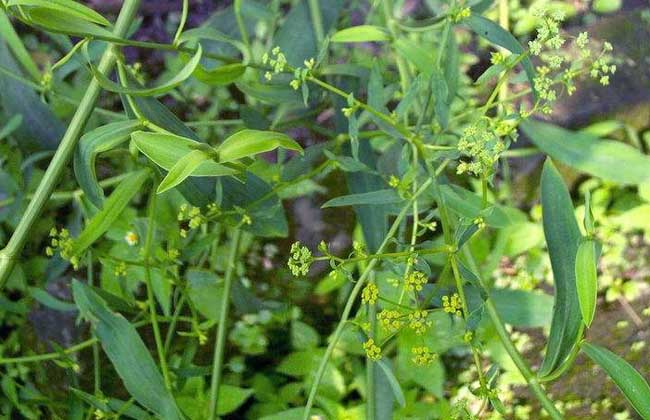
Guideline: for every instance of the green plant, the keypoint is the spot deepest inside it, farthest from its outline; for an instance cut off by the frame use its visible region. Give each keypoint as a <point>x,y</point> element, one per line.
<point>420,147</point>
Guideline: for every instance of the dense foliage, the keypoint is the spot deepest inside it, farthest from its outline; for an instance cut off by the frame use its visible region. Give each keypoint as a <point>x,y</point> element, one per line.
<point>312,209</point>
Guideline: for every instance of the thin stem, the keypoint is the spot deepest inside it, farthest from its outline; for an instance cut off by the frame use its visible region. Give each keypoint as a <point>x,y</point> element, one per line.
<point>316,21</point>
<point>148,245</point>
<point>352,298</point>
<point>504,21</point>
<point>220,340</point>
<point>371,400</point>
<point>402,69</point>
<point>65,150</point>
<point>96,367</point>
<point>242,26</point>
<point>181,24</point>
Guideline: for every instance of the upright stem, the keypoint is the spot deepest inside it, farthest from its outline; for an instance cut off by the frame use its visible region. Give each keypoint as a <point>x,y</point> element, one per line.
<point>504,21</point>
<point>392,28</point>
<point>352,298</point>
<point>148,243</point>
<point>62,156</point>
<point>220,341</point>
<point>371,374</point>
<point>242,25</point>
<point>317,22</point>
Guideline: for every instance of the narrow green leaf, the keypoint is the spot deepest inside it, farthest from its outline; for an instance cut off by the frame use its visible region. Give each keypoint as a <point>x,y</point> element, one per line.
<point>111,211</point>
<point>161,89</point>
<point>182,169</point>
<point>361,33</point>
<point>220,76</point>
<point>167,149</point>
<point>247,143</point>
<point>93,143</point>
<point>270,93</point>
<point>388,196</point>
<point>65,6</point>
<point>586,279</point>
<point>629,381</point>
<point>562,238</point>
<point>127,353</point>
<point>108,405</point>
<point>493,32</point>
<point>393,382</point>
<point>606,159</point>
<point>46,299</point>
<point>66,22</point>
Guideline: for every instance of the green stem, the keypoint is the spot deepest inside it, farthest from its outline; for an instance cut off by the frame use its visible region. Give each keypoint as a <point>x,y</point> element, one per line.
<point>392,28</point>
<point>181,23</point>
<point>148,244</point>
<point>317,21</point>
<point>96,366</point>
<point>65,150</point>
<point>220,340</point>
<point>352,298</point>
<point>242,26</point>
<point>371,400</point>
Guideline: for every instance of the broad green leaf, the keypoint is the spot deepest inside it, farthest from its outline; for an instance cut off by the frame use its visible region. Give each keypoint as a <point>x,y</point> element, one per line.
<point>629,381</point>
<point>586,279</point>
<point>562,238</point>
<point>68,23</point>
<point>93,143</point>
<point>220,76</point>
<point>361,33</point>
<point>606,159</point>
<point>164,87</point>
<point>388,196</point>
<point>65,6</point>
<point>182,169</point>
<point>127,353</point>
<point>421,57</point>
<point>167,149</point>
<point>493,32</point>
<point>230,398</point>
<point>247,143</point>
<point>111,211</point>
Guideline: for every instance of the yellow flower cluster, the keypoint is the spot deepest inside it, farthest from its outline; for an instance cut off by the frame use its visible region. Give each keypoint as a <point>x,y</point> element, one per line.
<point>415,281</point>
<point>479,222</point>
<point>418,321</point>
<point>423,356</point>
<point>192,215</point>
<point>63,243</point>
<point>452,305</point>
<point>276,60</point>
<point>373,351</point>
<point>480,143</point>
<point>120,269</point>
<point>390,320</point>
<point>370,294</point>
<point>300,260</point>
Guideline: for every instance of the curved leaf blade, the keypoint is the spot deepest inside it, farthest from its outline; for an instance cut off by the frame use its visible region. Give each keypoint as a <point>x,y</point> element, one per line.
<point>111,211</point>
<point>167,149</point>
<point>68,23</point>
<point>93,143</point>
<point>562,238</point>
<point>587,279</point>
<point>182,169</point>
<point>220,76</point>
<point>161,89</point>
<point>629,381</point>
<point>361,33</point>
<point>247,143</point>
<point>65,6</point>
<point>590,154</point>
<point>127,352</point>
<point>387,196</point>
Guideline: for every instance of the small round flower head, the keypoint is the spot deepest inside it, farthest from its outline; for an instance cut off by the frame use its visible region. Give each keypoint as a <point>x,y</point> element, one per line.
<point>276,60</point>
<point>468,336</point>
<point>480,143</point>
<point>370,294</point>
<point>452,305</point>
<point>480,222</point>
<point>120,269</point>
<point>373,351</point>
<point>390,320</point>
<point>62,242</point>
<point>300,260</point>
<point>415,281</point>
<point>423,356</point>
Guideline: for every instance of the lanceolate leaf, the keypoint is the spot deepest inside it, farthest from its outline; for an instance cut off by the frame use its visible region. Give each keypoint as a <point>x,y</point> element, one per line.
<point>90,145</point>
<point>222,75</point>
<point>392,381</point>
<point>65,6</point>
<point>182,169</point>
<point>68,23</point>
<point>112,209</point>
<point>562,238</point>
<point>167,149</point>
<point>586,279</point>
<point>162,88</point>
<point>127,353</point>
<point>629,381</point>
<point>247,143</point>
<point>388,196</point>
<point>361,33</point>
<point>606,159</point>
<point>494,33</point>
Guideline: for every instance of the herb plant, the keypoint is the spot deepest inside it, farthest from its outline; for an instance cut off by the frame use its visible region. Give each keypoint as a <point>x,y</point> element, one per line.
<point>161,249</point>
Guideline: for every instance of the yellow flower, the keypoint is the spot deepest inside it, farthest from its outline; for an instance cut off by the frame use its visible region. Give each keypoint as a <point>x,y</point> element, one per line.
<point>415,281</point>
<point>370,294</point>
<point>453,305</point>
<point>373,351</point>
<point>423,356</point>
